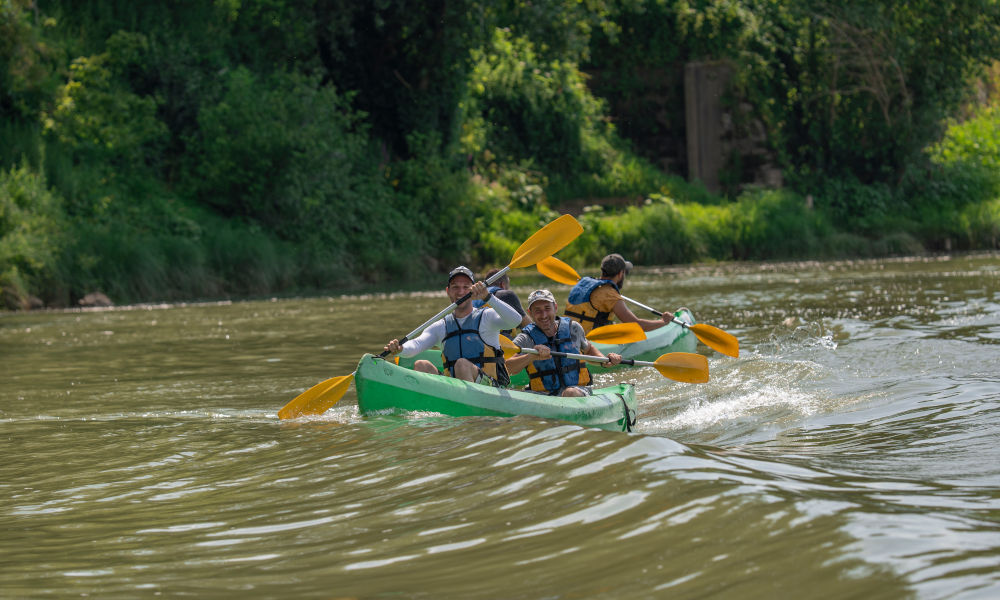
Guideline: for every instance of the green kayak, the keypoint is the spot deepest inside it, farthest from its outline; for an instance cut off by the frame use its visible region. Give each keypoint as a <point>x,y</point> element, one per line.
<point>669,338</point>
<point>384,387</point>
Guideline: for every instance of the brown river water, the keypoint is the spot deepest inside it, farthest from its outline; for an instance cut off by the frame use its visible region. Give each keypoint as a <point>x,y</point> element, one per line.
<point>851,451</point>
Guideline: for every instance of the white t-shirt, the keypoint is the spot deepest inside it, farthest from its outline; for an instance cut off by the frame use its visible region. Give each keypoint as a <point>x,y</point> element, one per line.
<point>500,316</point>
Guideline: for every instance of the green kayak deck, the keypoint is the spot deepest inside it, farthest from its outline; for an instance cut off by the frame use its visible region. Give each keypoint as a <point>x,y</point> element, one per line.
<point>386,388</point>
<point>669,338</point>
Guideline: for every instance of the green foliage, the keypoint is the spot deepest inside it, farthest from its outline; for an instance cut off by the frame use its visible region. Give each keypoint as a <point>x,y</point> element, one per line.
<point>434,187</point>
<point>99,118</point>
<point>657,233</point>
<point>254,146</point>
<point>760,225</point>
<point>558,29</point>
<point>407,59</point>
<point>858,89</point>
<point>28,71</point>
<point>293,157</point>
<point>510,209</point>
<point>621,175</point>
<point>521,107</point>
<point>852,205</point>
<point>776,224</point>
<point>955,199</point>
<point>103,142</point>
<point>32,232</point>
<point>976,141</point>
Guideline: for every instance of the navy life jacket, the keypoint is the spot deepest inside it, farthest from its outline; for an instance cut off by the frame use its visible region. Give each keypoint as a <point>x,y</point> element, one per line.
<point>465,342</point>
<point>556,373</point>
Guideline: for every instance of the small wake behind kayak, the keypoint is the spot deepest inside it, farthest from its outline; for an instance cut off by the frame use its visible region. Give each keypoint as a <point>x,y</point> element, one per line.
<point>386,388</point>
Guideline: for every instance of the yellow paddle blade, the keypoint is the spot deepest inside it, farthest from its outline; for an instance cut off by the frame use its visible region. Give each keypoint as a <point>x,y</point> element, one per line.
<point>547,241</point>
<point>557,271</point>
<point>317,399</point>
<point>716,339</point>
<point>685,367</point>
<point>619,333</point>
<point>508,347</point>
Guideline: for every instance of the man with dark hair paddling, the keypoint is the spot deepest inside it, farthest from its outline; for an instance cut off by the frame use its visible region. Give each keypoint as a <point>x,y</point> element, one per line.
<point>470,337</point>
<point>555,374</point>
<point>501,289</point>
<point>592,301</point>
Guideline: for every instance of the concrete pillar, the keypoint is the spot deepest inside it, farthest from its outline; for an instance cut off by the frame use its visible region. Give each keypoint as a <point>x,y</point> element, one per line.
<point>704,85</point>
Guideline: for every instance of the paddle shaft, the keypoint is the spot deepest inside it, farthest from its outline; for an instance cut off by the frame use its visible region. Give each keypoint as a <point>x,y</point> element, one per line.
<point>656,312</point>
<point>586,357</point>
<point>495,277</point>
<point>594,359</point>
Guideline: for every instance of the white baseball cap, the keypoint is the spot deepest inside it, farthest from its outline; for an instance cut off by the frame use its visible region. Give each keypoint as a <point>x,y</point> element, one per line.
<point>541,295</point>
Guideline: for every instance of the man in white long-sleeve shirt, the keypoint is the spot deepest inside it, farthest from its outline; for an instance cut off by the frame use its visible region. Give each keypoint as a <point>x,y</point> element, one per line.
<point>469,337</point>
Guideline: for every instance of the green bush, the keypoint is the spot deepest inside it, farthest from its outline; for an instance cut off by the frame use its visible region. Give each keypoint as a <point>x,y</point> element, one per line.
<point>100,117</point>
<point>656,233</point>
<point>954,199</point>
<point>510,211</point>
<point>32,233</point>
<point>525,108</point>
<point>436,191</point>
<point>975,141</point>
<point>291,156</point>
<point>852,205</point>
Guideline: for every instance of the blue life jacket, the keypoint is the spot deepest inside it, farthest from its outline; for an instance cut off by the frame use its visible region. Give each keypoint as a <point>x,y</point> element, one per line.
<point>578,304</point>
<point>465,342</point>
<point>556,373</point>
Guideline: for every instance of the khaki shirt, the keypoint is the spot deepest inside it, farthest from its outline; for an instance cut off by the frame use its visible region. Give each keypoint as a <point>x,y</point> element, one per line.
<point>604,299</point>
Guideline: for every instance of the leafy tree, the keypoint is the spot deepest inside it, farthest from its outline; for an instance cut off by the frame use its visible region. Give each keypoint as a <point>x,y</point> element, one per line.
<point>32,232</point>
<point>523,108</point>
<point>294,158</point>
<point>407,59</point>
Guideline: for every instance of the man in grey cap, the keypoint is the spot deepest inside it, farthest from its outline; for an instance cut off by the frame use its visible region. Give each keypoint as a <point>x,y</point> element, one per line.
<point>469,337</point>
<point>592,302</point>
<point>547,373</point>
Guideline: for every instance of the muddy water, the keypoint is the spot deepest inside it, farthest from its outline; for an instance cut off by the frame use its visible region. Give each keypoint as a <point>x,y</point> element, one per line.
<point>853,450</point>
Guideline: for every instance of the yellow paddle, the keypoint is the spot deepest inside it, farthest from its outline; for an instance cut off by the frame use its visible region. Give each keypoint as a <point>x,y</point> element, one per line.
<point>619,333</point>
<point>318,398</point>
<point>546,241</point>
<point>685,367</point>
<point>713,337</point>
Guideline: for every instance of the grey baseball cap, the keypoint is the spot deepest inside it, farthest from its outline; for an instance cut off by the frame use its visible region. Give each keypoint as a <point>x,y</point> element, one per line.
<point>460,270</point>
<point>541,295</point>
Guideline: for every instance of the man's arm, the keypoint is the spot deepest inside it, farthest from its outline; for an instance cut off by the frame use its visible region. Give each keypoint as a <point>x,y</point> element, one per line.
<point>511,299</point>
<point>517,363</point>
<point>503,315</point>
<point>625,315</point>
<point>426,340</point>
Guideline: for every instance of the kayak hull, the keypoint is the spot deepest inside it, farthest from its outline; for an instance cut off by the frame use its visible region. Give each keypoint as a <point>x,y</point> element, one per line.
<point>386,388</point>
